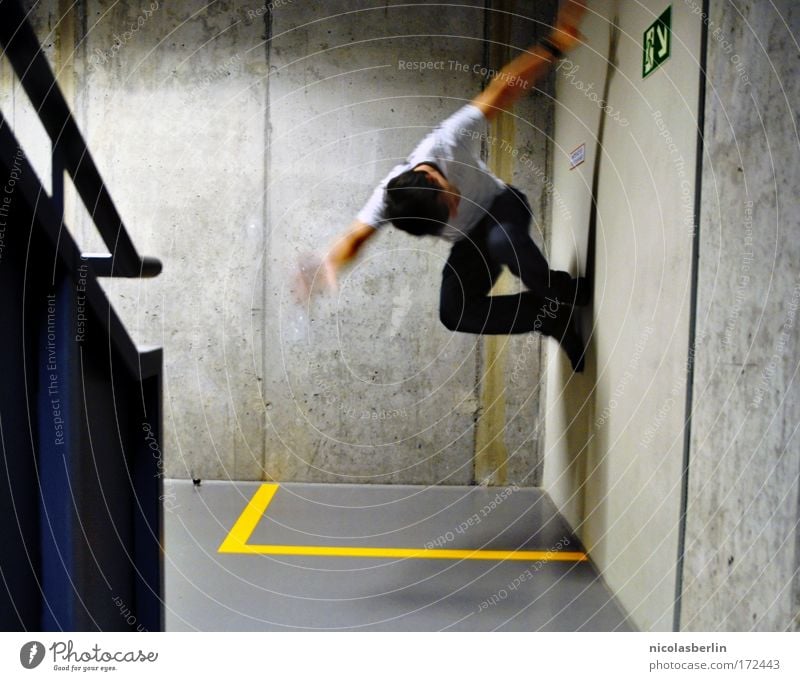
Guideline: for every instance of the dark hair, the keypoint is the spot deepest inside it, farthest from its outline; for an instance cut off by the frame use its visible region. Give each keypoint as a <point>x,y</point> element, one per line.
<point>414,204</point>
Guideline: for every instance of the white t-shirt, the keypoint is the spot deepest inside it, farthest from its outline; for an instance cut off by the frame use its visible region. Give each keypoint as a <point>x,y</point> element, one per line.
<point>454,146</point>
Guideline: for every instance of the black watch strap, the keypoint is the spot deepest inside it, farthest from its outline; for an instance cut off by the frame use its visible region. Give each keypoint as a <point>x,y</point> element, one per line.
<point>552,48</point>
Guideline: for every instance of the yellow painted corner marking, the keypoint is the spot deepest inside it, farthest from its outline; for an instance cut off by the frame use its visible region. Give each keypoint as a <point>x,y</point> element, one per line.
<point>236,542</point>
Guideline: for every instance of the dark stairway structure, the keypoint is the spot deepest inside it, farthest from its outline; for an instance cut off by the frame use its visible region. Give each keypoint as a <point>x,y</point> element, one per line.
<point>80,405</point>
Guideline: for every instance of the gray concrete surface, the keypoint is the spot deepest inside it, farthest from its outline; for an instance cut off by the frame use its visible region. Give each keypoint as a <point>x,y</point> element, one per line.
<point>222,131</point>
<point>209,591</point>
<point>366,385</point>
<point>237,136</point>
<point>367,381</point>
<point>742,538</point>
<point>615,437</point>
<point>175,117</point>
<point>17,108</point>
<point>509,448</point>
<point>614,451</point>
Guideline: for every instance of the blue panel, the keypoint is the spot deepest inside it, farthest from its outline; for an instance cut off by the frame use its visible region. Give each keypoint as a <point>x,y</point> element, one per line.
<point>57,451</point>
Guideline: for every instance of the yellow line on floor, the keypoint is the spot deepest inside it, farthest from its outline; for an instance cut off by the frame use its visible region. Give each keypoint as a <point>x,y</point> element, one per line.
<point>244,526</point>
<point>236,542</point>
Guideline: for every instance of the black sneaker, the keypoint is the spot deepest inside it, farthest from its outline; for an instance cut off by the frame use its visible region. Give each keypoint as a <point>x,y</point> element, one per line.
<point>572,343</point>
<point>583,292</point>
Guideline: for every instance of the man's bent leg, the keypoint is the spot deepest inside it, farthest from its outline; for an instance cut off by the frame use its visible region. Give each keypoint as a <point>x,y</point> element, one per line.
<point>465,305</point>
<point>467,279</point>
<point>491,315</point>
<point>510,243</point>
<point>511,314</point>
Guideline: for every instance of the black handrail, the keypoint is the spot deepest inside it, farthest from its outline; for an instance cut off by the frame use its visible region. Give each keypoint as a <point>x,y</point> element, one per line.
<point>33,70</point>
<point>30,189</point>
<point>77,391</point>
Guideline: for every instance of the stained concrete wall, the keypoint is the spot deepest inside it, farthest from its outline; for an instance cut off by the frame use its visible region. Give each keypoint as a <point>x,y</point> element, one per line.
<point>174,113</point>
<point>235,137</point>
<point>17,108</point>
<point>226,173</point>
<point>510,431</point>
<point>742,529</point>
<point>614,444</point>
<point>364,385</point>
<point>615,437</point>
<point>367,385</point>
<point>190,188</point>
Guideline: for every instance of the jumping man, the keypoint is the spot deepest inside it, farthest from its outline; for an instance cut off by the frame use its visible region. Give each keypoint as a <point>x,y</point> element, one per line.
<point>443,189</point>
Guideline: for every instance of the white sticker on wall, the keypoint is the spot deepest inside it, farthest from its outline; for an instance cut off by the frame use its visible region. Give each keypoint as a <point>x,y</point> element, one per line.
<point>577,156</point>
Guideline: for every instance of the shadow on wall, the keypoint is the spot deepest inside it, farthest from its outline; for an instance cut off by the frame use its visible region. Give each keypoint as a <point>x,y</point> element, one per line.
<point>583,432</point>
<point>577,394</point>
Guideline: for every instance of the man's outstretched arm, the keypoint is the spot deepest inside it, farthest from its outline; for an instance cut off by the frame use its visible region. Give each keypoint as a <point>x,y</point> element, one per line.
<point>521,74</point>
<point>346,248</point>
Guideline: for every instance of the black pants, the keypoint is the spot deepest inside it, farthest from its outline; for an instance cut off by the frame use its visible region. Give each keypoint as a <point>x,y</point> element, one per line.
<point>474,264</point>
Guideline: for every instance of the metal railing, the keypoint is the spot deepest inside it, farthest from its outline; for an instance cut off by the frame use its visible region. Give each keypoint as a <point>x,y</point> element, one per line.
<point>80,404</point>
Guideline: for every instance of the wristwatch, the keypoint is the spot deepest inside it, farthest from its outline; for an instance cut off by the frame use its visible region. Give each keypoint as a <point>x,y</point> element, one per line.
<point>551,47</point>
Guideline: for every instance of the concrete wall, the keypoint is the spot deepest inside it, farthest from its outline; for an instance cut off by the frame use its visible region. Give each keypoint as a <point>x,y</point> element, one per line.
<point>742,515</point>
<point>367,385</point>
<point>510,432</point>
<point>237,136</point>
<point>17,108</point>
<point>234,139</point>
<point>615,437</point>
<point>364,385</point>
<point>614,444</point>
<point>174,113</point>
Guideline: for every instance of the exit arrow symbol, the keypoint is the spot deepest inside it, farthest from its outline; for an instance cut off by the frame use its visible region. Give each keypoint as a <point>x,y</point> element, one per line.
<point>662,37</point>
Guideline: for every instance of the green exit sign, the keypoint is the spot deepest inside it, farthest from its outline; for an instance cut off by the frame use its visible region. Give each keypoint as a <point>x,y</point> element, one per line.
<point>657,43</point>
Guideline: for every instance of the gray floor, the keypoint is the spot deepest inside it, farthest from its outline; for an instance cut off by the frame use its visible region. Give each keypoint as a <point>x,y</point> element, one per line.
<point>210,591</point>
